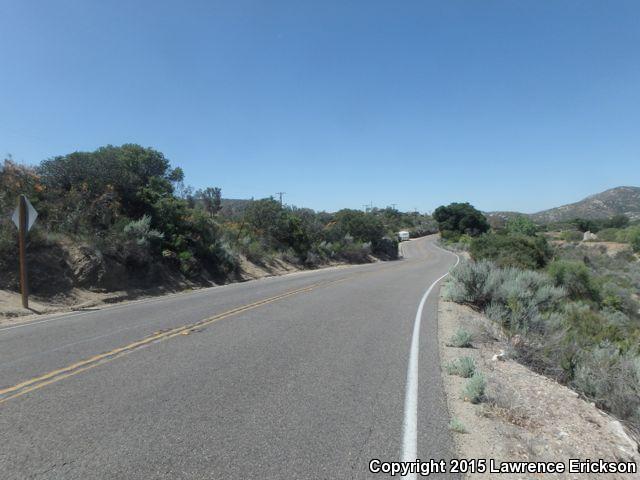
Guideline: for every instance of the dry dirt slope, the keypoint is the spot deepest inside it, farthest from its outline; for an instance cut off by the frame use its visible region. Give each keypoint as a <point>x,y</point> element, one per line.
<point>526,416</point>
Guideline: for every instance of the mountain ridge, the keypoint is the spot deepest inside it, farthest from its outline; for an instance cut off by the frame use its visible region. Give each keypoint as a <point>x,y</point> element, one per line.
<point>623,200</point>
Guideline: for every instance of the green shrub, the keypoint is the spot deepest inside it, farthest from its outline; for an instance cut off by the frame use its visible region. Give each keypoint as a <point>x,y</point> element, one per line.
<point>634,239</point>
<point>521,225</point>
<point>611,235</point>
<point>575,278</point>
<point>450,236</point>
<point>585,327</point>
<point>571,236</point>
<point>461,339</point>
<point>474,390</point>
<point>577,322</point>
<point>611,379</point>
<point>188,265</point>
<point>512,297</point>
<point>616,297</point>
<point>254,251</point>
<point>457,426</point>
<point>463,367</point>
<point>386,247</point>
<point>511,250</point>
<point>471,283</point>
<point>521,298</point>
<point>140,233</point>
<point>353,252</point>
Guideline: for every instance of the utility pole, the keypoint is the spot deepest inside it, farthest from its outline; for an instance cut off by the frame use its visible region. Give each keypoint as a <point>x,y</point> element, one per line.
<point>366,208</point>
<point>280,194</point>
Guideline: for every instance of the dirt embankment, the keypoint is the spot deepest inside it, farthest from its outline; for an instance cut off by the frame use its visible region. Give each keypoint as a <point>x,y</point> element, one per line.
<point>524,416</point>
<point>65,277</point>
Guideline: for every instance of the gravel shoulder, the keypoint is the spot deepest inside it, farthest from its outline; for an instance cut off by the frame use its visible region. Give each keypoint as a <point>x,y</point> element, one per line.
<point>524,416</point>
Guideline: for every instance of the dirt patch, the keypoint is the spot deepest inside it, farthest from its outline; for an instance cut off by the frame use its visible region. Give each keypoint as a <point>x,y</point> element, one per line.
<point>524,416</point>
<point>610,248</point>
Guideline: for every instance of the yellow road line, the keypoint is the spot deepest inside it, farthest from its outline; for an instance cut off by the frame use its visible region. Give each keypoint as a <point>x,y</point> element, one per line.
<point>78,367</point>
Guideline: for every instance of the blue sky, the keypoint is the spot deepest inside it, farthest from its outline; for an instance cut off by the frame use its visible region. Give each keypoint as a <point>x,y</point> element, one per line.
<point>518,105</point>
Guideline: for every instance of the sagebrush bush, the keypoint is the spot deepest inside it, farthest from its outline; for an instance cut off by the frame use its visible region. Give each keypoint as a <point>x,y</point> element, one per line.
<point>615,297</point>
<point>611,379</point>
<point>474,389</point>
<point>457,426</point>
<point>140,232</point>
<point>463,367</point>
<point>515,298</point>
<point>578,321</point>
<point>471,283</point>
<point>523,297</point>
<point>461,339</point>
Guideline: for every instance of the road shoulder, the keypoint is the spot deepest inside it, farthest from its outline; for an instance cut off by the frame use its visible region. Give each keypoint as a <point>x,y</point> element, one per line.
<point>524,416</point>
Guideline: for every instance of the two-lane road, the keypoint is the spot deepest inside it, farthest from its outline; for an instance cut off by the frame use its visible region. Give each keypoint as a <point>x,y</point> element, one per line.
<point>301,376</point>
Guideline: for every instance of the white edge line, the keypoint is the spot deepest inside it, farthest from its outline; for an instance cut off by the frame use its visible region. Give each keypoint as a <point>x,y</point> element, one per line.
<point>410,422</point>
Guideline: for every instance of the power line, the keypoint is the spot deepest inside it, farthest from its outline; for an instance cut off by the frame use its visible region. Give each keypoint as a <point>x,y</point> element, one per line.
<point>280,194</point>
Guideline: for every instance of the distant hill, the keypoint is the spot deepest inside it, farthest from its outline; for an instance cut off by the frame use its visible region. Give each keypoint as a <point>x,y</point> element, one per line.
<point>615,201</point>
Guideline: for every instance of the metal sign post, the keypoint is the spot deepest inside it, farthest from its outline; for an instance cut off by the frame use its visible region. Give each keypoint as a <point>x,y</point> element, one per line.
<point>24,217</point>
<point>22,234</point>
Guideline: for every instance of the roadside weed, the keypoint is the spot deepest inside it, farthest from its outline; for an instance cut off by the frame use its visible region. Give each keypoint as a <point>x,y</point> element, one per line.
<point>457,426</point>
<point>461,339</point>
<point>475,388</point>
<point>463,367</point>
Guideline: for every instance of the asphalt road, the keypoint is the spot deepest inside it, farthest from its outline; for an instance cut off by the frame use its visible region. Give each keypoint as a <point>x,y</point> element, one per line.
<point>301,376</point>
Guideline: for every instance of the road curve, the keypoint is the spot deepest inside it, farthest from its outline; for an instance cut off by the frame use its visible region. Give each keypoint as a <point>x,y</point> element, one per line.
<point>300,376</point>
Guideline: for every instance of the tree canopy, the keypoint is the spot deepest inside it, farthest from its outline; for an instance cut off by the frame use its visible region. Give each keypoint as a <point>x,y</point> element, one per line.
<point>458,219</point>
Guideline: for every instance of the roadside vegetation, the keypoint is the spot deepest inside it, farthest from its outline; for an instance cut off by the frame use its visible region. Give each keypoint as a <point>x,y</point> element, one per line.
<point>457,426</point>
<point>618,229</point>
<point>567,310</point>
<point>122,216</point>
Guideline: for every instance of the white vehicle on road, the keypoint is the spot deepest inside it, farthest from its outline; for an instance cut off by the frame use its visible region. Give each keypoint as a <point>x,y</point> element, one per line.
<point>403,235</point>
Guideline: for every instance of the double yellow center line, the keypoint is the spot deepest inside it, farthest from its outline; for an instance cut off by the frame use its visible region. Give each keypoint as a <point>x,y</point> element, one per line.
<point>54,376</point>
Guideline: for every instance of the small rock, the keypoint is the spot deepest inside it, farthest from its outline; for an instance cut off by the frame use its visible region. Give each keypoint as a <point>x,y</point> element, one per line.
<point>499,356</point>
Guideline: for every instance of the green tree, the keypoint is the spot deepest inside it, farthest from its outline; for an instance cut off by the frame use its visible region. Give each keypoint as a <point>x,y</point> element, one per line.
<point>361,226</point>
<point>521,225</point>
<point>586,225</point>
<point>126,180</point>
<point>456,219</point>
<point>617,221</point>
<point>211,199</point>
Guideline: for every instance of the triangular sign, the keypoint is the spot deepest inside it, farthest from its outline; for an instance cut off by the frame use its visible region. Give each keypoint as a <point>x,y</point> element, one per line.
<point>31,215</point>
